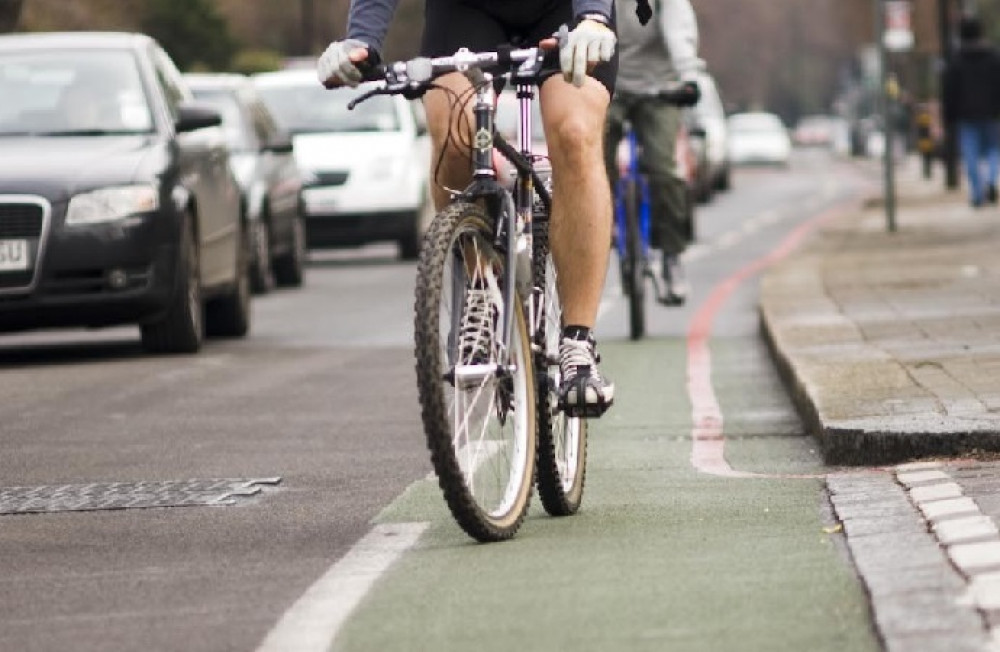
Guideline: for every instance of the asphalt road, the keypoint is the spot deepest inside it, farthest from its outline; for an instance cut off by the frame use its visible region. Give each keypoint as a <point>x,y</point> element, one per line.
<point>674,548</point>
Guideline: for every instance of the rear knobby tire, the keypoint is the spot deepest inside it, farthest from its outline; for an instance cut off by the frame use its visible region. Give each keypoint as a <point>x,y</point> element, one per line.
<point>636,263</point>
<point>481,438</point>
<point>562,440</point>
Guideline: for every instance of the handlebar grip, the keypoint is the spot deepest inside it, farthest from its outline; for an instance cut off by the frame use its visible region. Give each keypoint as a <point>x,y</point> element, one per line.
<point>371,71</point>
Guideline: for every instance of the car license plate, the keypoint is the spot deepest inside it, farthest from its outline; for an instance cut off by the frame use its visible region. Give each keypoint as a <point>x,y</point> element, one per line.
<point>319,201</point>
<point>13,255</point>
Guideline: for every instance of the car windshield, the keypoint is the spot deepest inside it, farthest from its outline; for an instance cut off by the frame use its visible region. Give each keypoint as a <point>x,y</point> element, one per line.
<point>233,124</point>
<point>68,93</point>
<point>313,109</point>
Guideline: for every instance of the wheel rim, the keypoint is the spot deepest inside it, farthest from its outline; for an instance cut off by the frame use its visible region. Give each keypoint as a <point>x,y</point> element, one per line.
<point>565,430</point>
<point>489,420</point>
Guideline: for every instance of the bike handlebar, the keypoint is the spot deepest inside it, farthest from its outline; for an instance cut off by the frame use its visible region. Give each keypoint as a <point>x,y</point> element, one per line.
<point>682,94</point>
<point>413,77</point>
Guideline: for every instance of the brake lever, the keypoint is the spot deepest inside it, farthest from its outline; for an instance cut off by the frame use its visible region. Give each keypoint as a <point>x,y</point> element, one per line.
<point>367,95</point>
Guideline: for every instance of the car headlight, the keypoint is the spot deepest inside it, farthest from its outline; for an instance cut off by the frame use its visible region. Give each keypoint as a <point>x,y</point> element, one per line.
<point>110,204</point>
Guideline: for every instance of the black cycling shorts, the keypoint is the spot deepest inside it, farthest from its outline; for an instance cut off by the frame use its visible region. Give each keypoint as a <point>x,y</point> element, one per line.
<point>486,24</point>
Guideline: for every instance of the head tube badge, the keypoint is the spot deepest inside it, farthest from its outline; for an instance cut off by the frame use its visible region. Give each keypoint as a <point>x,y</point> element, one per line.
<point>483,140</point>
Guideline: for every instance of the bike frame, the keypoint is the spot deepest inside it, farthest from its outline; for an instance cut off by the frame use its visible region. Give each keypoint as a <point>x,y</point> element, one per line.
<point>513,230</point>
<point>632,173</point>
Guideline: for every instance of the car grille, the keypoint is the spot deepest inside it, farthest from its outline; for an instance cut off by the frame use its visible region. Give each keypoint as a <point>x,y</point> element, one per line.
<point>23,217</point>
<point>328,179</point>
<point>21,220</point>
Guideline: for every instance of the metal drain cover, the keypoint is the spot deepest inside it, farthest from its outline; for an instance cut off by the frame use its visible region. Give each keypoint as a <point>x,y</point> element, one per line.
<point>128,495</point>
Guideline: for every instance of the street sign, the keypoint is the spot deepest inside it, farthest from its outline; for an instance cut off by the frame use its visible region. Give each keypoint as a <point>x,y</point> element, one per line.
<point>898,35</point>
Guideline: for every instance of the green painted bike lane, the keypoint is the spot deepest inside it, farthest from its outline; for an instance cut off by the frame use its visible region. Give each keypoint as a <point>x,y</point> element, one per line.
<point>660,557</point>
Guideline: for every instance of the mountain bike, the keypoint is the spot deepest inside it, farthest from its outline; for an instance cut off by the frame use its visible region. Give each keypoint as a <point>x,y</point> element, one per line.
<point>491,411</point>
<point>632,224</point>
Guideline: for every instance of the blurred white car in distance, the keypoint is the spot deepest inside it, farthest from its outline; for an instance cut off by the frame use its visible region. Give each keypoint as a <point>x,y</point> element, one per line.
<point>366,169</point>
<point>709,123</point>
<point>758,137</point>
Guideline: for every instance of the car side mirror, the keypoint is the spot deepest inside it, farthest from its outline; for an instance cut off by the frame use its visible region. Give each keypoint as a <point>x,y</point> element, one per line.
<point>192,116</point>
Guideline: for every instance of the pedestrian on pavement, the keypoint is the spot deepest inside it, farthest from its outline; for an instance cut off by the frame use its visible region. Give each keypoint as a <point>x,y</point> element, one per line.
<point>654,57</point>
<point>971,102</point>
<point>573,104</point>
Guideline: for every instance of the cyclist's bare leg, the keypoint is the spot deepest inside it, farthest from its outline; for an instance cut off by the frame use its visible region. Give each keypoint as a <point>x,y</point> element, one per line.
<point>581,214</point>
<point>443,117</point>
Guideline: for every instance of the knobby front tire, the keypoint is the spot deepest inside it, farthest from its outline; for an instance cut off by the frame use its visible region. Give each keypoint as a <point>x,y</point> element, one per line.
<point>481,433</point>
<point>562,441</point>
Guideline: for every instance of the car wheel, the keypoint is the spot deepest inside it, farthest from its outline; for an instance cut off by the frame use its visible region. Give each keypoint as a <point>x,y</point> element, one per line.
<point>229,316</point>
<point>289,269</point>
<point>724,183</point>
<point>409,246</point>
<point>262,274</point>
<point>181,328</point>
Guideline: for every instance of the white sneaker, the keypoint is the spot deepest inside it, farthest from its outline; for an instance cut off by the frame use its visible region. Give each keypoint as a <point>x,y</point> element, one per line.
<point>674,280</point>
<point>479,320</point>
<point>584,391</point>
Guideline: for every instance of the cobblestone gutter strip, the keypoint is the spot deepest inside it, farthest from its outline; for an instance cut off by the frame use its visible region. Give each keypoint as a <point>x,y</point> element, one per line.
<point>919,600</point>
<point>968,536</point>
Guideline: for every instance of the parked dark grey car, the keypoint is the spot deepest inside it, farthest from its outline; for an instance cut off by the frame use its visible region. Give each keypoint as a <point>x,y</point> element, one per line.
<point>271,183</point>
<point>117,202</point>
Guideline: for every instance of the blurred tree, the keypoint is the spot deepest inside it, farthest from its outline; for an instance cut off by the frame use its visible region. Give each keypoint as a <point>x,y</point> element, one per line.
<point>193,32</point>
<point>249,62</point>
<point>59,15</point>
<point>10,14</point>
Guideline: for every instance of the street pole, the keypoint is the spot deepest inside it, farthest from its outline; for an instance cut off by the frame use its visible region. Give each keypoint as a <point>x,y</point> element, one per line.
<point>949,144</point>
<point>885,101</point>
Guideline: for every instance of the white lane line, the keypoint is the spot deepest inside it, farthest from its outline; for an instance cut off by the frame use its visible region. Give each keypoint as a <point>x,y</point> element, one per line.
<point>312,623</point>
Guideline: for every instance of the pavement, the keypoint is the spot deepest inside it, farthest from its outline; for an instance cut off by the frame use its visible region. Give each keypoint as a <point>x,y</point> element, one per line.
<point>889,343</point>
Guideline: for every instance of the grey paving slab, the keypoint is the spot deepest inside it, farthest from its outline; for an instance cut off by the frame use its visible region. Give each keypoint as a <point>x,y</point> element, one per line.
<point>888,342</point>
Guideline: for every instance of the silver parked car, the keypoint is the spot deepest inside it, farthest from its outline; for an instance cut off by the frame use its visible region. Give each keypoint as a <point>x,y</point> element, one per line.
<point>261,155</point>
<point>368,168</point>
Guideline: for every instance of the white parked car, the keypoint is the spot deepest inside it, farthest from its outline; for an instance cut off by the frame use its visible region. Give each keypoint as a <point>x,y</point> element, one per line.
<point>709,123</point>
<point>758,137</point>
<point>366,169</point>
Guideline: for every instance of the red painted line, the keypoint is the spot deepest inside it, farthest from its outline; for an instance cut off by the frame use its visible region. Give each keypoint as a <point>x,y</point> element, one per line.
<point>708,446</point>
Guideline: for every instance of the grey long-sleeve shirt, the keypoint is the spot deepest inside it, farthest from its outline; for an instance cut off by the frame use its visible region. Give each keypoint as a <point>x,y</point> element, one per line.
<point>368,20</point>
<point>664,51</point>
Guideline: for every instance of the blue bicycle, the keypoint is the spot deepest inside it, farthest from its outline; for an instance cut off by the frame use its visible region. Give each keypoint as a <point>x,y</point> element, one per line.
<point>632,222</point>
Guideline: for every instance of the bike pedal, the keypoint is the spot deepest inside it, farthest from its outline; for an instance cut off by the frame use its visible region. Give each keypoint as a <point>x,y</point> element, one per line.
<point>584,411</point>
<point>671,301</point>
